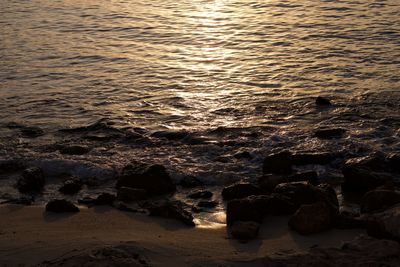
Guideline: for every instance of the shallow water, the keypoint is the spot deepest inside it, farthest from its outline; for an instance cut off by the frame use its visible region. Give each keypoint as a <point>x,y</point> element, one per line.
<point>214,78</point>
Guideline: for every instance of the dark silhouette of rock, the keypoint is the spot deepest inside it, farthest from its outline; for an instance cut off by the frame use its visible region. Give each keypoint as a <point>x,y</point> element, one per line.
<point>243,155</point>
<point>268,182</point>
<point>240,190</point>
<point>311,218</point>
<point>378,200</point>
<point>171,210</point>
<point>308,176</point>
<point>11,165</point>
<point>74,150</point>
<point>317,158</point>
<point>32,180</point>
<point>322,101</point>
<point>207,204</point>
<point>280,204</point>
<point>154,179</point>
<point>190,182</point>
<point>329,133</point>
<point>385,224</point>
<point>31,131</point>
<point>71,186</point>
<point>61,205</point>
<point>280,163</point>
<point>105,199</point>
<point>245,230</point>
<point>394,162</point>
<point>128,194</point>
<point>252,208</point>
<point>200,194</point>
<point>27,201</point>
<point>349,221</point>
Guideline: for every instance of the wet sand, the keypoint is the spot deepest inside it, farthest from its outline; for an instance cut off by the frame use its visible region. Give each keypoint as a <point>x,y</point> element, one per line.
<point>30,236</point>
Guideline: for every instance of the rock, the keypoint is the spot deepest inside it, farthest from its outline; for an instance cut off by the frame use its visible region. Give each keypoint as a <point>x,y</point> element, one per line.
<point>268,182</point>
<point>281,205</point>
<point>362,251</point>
<point>31,131</point>
<point>322,101</point>
<point>243,155</point>
<point>245,230</point>
<point>105,199</point>
<point>252,208</point>
<point>309,176</point>
<point>240,190</point>
<point>87,200</point>
<point>200,194</point>
<point>61,205</point>
<point>385,224</point>
<point>19,201</point>
<point>154,179</point>
<point>11,165</point>
<point>171,210</point>
<point>349,221</point>
<point>312,218</point>
<point>359,175</point>
<point>329,133</point>
<point>32,180</point>
<point>377,200</point>
<point>74,150</point>
<point>71,186</point>
<point>394,162</point>
<point>280,163</point>
<point>319,158</point>
<point>190,182</point>
<point>128,194</point>
<point>171,135</point>
<point>207,204</point>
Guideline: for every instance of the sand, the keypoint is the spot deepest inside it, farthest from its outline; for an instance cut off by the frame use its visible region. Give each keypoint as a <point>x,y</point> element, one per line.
<point>30,236</point>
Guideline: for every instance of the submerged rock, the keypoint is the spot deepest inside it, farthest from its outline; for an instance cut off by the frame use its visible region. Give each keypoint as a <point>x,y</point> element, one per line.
<point>278,163</point>
<point>329,133</point>
<point>152,178</point>
<point>128,194</point>
<point>32,180</point>
<point>312,218</point>
<point>245,230</point>
<point>171,210</point>
<point>61,205</point>
<point>377,200</point>
<point>240,190</point>
<point>200,194</point>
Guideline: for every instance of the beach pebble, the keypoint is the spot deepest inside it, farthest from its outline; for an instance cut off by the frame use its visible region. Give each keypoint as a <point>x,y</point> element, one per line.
<point>61,205</point>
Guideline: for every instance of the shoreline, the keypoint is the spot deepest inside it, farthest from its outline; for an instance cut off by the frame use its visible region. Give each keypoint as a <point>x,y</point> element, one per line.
<point>30,236</point>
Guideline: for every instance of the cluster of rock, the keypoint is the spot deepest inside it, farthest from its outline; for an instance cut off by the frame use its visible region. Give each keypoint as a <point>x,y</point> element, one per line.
<point>314,206</point>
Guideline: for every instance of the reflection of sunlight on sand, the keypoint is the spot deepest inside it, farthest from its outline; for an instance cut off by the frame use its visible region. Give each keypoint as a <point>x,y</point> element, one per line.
<point>211,221</point>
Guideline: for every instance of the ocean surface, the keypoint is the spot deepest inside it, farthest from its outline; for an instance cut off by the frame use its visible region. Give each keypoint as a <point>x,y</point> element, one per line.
<point>194,84</point>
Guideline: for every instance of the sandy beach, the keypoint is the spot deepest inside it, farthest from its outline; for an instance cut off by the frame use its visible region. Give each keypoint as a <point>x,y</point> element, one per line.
<point>30,236</point>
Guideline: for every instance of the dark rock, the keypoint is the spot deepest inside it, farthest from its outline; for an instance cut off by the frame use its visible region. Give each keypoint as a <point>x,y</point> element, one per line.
<point>313,158</point>
<point>268,182</point>
<point>61,205</point>
<point>128,194</point>
<point>190,182</point>
<point>359,175</point>
<point>278,163</point>
<point>11,165</point>
<point>171,135</point>
<point>252,208</point>
<point>309,176</point>
<point>240,190</point>
<point>171,210</point>
<point>89,201</point>
<point>362,251</point>
<point>74,150</point>
<point>329,133</point>
<point>312,218</point>
<point>32,180</point>
<point>243,155</point>
<point>377,200</point>
<point>394,162</point>
<point>349,221</point>
<point>105,199</point>
<point>322,101</point>
<point>245,230</point>
<point>71,186</point>
<point>281,205</point>
<point>31,131</point>
<point>154,179</point>
<point>207,204</point>
<point>385,224</point>
<point>200,194</point>
<point>19,201</point>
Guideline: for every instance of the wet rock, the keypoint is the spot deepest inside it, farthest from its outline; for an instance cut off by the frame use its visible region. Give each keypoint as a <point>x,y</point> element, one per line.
<point>359,175</point>
<point>11,165</point>
<point>268,182</point>
<point>308,176</point>
<point>207,204</point>
<point>245,230</point>
<point>71,186</point>
<point>349,221</point>
<point>128,194</point>
<point>152,178</point>
<point>252,208</point>
<point>394,162</point>
<point>312,218</point>
<point>280,163</point>
<point>377,200</point>
<point>362,251</point>
<point>280,205</point>
<point>190,182</point>
<point>240,190</point>
<point>105,199</point>
<point>313,158</point>
<point>88,201</point>
<point>74,150</point>
<point>200,194</point>
<point>385,224</point>
<point>32,180</point>
<point>243,155</point>
<point>329,133</point>
<point>322,101</point>
<point>171,210</point>
<point>171,135</point>
<point>61,205</point>
<point>31,132</point>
